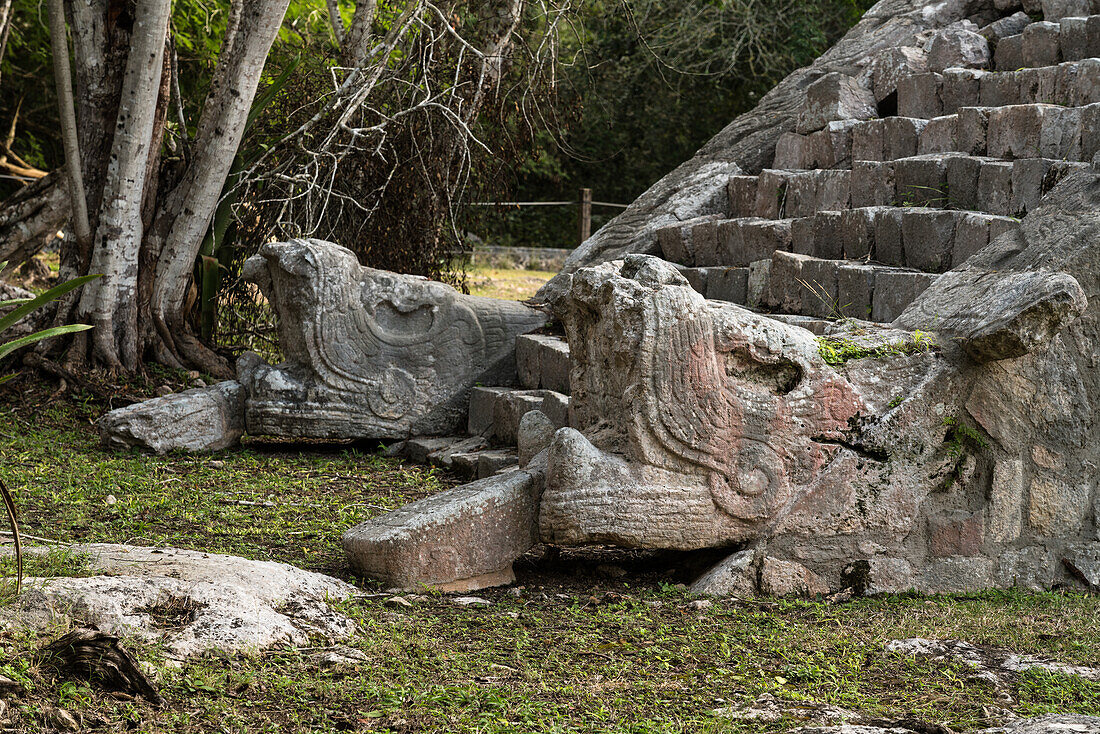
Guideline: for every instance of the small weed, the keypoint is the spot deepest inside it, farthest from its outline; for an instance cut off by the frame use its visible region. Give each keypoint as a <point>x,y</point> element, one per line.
<point>961,437</point>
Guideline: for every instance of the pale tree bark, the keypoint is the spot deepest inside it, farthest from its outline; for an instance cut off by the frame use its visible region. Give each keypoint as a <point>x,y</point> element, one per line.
<point>183,222</point>
<point>110,303</point>
<point>32,217</point>
<point>356,42</point>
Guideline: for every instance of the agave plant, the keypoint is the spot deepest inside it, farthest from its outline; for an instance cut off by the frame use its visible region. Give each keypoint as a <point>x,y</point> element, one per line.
<point>23,307</point>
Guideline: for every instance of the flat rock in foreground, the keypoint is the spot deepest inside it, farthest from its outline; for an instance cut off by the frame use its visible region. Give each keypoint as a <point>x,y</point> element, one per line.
<point>458,540</point>
<point>191,601</point>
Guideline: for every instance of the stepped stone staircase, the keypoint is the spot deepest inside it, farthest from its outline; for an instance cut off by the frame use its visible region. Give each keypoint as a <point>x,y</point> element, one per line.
<point>873,196</point>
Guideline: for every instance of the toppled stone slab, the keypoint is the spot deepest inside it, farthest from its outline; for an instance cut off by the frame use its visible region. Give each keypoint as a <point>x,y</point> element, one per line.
<point>989,660</point>
<point>835,96</point>
<point>200,419</point>
<point>372,354</point>
<point>190,601</point>
<point>462,539</point>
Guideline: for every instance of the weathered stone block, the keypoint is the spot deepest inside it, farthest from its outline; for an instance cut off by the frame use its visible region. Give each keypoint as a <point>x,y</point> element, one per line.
<point>742,196</point>
<point>901,136</point>
<point>1079,84</point>
<point>962,182</point>
<point>372,354</point>
<point>759,277</point>
<point>857,232</point>
<point>696,277</point>
<point>801,199</point>
<point>929,237</point>
<point>785,291</point>
<point>939,136</point>
<point>831,147</point>
<point>833,190</point>
<point>496,461</point>
<point>704,243</point>
<point>867,140</point>
<point>1028,175</point>
<point>200,419</point>
<point>534,436</point>
<point>819,288</point>
<point>855,290</point>
<point>1010,53</point>
<point>786,578</point>
<point>803,236</point>
<point>729,284</point>
<point>920,96</point>
<point>1008,26</point>
<point>771,192</point>
<point>792,152</point>
<point>735,576</point>
<point>1034,131</point>
<point>1055,507</point>
<point>731,242</point>
<point>1042,44</point>
<point>958,47</point>
<point>1006,501</point>
<point>921,181</point>
<point>678,242</point>
<point>972,130</point>
<point>835,96</point>
<point>543,362</point>
<point>1054,10</point>
<point>509,407</point>
<point>961,88</point>
<point>895,290</point>
<point>483,402</point>
<point>995,187</point>
<point>889,247</point>
<point>462,539</point>
<point>763,237</point>
<point>1080,37</point>
<point>891,65</point>
<point>827,236</point>
<point>1089,132</point>
<point>971,236</point>
<point>873,184</point>
<point>962,536</point>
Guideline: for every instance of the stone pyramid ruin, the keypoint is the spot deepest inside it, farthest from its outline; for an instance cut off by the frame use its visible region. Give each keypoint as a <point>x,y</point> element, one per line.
<point>853,341</point>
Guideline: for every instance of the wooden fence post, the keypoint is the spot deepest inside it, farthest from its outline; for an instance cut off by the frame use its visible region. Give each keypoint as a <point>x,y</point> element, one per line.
<point>584,218</point>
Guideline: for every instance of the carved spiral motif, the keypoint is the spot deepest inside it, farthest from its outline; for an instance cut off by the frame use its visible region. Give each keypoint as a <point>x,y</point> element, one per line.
<point>395,394</point>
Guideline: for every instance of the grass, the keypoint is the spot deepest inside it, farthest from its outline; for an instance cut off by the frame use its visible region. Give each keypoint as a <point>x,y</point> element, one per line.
<point>506,283</point>
<point>594,641</point>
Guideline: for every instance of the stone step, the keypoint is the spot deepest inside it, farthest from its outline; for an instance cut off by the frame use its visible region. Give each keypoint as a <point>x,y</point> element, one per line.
<point>812,288</point>
<point>1055,10</point>
<point>949,180</point>
<point>543,362</point>
<point>1070,38</point>
<point>930,95</point>
<point>495,412</point>
<point>929,239</point>
<point>958,181</point>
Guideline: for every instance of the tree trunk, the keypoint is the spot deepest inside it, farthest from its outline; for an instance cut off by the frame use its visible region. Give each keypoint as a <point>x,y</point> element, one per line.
<point>110,303</point>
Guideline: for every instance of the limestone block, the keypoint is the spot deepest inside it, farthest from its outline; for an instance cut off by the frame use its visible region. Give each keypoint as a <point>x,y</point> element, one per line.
<point>835,96</point>
<point>1076,83</point>
<point>958,47</point>
<point>1057,508</point>
<point>958,574</point>
<point>1054,10</point>
<point>956,536</point>
<point>962,182</point>
<point>483,401</point>
<point>929,237</point>
<point>895,290</point>
<point>1010,53</point>
<point>770,193</point>
<point>786,578</point>
<point>889,246</point>
<point>973,128</point>
<point>1006,501</point>
<point>1080,37</point>
<point>833,190</point>
<point>1000,89</point>
<point>995,187</point>
<point>704,243</point>
<point>921,180</point>
<point>792,152</point>
<point>921,96</point>
<point>901,136</point>
<point>1028,175</point>
<point>971,236</point>
<point>1034,131</point>
<point>758,283</point>
<point>496,461</point>
<point>785,290</point>
<point>803,235</point>
<point>939,136</point>
<point>742,196</point>
<point>729,284</point>
<point>696,277</point>
<point>1089,131</point>
<point>867,140</point>
<point>735,576</point>
<point>890,66</point>
<point>1008,26</point>
<point>828,241</point>
<point>873,184</point>
<point>678,241</point>
<point>509,408</point>
<point>462,539</point>
<point>831,147</point>
<point>372,354</point>
<point>819,288</point>
<point>762,238</point>
<point>1083,561</point>
<point>999,226</point>
<point>961,88</point>
<point>200,419</point>
<point>857,232</point>
<point>801,194</point>
<point>855,290</point>
<point>1042,44</point>
<point>543,362</point>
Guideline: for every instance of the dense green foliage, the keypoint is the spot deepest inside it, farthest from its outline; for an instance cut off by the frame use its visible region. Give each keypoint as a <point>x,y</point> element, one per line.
<point>643,90</point>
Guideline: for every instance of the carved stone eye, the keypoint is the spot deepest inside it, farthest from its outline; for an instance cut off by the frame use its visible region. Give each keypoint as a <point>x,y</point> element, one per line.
<point>395,395</point>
